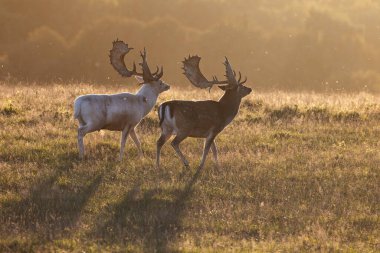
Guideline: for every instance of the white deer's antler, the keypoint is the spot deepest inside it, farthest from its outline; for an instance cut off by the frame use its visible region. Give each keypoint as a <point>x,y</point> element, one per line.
<point>117,54</point>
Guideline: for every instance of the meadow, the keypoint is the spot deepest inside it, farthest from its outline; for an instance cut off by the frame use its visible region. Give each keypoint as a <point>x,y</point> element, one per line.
<point>299,173</point>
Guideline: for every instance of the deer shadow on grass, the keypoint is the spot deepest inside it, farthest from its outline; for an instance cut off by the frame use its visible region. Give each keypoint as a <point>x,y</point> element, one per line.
<point>51,207</point>
<point>146,218</point>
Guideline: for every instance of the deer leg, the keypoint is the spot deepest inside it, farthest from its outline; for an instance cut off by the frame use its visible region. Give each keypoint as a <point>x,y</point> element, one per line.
<point>164,137</point>
<point>215,153</point>
<point>175,144</point>
<point>124,135</point>
<point>136,141</point>
<point>81,135</point>
<point>82,131</point>
<point>206,149</point>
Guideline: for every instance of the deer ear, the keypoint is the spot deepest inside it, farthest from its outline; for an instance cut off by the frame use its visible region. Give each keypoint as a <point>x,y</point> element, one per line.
<point>139,79</point>
<point>223,88</point>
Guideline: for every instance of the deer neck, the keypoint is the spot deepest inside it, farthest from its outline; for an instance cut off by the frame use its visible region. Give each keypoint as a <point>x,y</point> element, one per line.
<point>229,103</point>
<point>148,97</point>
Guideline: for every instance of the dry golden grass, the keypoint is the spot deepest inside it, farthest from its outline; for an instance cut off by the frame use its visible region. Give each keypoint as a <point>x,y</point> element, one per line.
<point>300,172</point>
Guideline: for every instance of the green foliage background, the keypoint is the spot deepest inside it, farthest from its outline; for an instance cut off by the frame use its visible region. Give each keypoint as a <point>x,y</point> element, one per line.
<point>289,45</point>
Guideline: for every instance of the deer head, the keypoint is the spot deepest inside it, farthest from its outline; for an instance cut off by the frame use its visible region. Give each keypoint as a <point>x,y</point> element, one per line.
<point>117,54</point>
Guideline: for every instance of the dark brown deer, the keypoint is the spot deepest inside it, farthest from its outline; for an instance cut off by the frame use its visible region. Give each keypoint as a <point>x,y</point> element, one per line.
<point>200,119</point>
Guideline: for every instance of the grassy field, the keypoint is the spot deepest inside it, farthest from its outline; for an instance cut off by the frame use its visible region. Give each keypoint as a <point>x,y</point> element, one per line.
<point>299,173</point>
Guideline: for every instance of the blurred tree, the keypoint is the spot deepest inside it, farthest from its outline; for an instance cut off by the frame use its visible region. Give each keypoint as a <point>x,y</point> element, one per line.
<point>295,44</point>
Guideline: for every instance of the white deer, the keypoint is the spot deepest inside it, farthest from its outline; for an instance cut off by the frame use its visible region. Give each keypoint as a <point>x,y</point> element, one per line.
<point>123,111</point>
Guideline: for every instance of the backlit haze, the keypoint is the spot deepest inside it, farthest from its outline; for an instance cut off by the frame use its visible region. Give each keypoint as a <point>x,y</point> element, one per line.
<point>287,45</point>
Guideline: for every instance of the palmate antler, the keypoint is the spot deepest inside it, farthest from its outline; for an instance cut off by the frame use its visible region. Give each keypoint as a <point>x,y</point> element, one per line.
<point>231,75</point>
<point>117,54</point>
<point>195,76</point>
<point>147,75</point>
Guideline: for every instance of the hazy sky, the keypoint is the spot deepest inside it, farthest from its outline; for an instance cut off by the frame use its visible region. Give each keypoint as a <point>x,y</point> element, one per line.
<point>319,45</point>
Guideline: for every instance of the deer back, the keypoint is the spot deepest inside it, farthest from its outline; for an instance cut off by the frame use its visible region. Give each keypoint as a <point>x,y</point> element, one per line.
<point>192,118</point>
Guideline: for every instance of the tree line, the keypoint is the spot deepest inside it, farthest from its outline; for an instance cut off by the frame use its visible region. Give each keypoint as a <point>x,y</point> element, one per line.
<point>288,45</point>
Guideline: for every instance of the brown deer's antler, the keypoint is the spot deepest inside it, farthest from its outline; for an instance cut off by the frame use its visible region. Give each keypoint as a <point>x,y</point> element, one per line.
<point>117,54</point>
<point>194,74</point>
<point>231,75</point>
